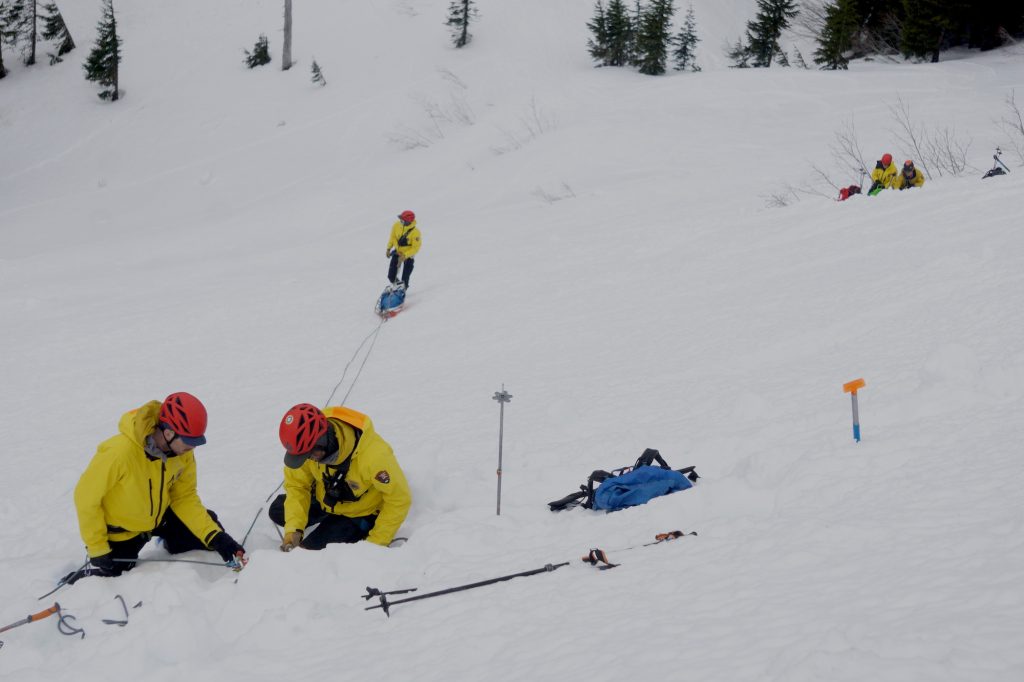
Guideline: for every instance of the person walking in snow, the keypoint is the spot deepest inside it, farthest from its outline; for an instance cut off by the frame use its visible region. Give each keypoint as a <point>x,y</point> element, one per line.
<point>403,244</point>
<point>884,174</point>
<point>339,473</point>
<point>142,483</point>
<point>909,177</point>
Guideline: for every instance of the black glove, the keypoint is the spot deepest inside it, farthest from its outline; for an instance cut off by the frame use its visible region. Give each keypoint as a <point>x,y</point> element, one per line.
<point>225,545</point>
<point>103,565</point>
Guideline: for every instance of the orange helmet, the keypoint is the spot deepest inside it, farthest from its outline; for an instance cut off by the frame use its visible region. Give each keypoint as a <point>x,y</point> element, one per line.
<point>407,216</point>
<point>301,427</point>
<point>184,414</point>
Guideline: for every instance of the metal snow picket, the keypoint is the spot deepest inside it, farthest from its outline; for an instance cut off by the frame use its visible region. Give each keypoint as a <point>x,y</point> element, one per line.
<point>502,397</point>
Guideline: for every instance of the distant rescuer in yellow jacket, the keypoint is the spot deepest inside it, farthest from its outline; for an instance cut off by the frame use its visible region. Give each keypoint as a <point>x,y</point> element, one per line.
<point>339,473</point>
<point>403,244</point>
<point>884,174</point>
<point>142,483</point>
<point>909,176</point>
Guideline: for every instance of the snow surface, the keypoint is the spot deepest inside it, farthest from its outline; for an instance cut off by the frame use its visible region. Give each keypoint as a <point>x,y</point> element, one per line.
<point>596,241</point>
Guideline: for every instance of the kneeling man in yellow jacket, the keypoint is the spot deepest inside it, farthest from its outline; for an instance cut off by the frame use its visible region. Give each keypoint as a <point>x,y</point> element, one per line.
<point>142,483</point>
<point>339,473</point>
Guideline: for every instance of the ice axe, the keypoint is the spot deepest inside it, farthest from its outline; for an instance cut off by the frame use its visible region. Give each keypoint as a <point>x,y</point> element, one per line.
<point>45,613</point>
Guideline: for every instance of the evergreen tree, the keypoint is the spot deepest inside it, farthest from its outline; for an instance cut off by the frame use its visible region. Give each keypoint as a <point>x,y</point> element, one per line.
<point>763,32</point>
<point>926,27</point>
<point>686,44</point>
<point>318,76</point>
<point>739,55</point>
<point>597,45</point>
<point>836,39</point>
<point>3,39</point>
<point>6,36</point>
<point>621,34</point>
<point>55,29</point>
<point>260,54</point>
<point>20,22</point>
<point>101,65</point>
<point>783,58</point>
<point>653,36</point>
<point>460,14</point>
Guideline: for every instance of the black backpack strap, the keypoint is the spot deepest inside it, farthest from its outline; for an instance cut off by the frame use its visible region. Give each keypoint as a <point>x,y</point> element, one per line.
<point>595,479</point>
<point>569,501</point>
<point>690,473</point>
<point>649,457</point>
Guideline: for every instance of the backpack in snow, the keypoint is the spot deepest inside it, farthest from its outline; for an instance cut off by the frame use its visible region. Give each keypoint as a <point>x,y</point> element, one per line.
<point>628,486</point>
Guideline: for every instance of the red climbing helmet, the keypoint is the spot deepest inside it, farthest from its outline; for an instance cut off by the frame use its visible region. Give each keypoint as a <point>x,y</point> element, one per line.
<point>886,160</point>
<point>184,414</point>
<point>407,216</point>
<point>301,427</point>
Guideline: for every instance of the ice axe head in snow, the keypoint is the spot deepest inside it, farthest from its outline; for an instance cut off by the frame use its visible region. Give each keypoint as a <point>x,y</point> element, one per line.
<point>301,428</point>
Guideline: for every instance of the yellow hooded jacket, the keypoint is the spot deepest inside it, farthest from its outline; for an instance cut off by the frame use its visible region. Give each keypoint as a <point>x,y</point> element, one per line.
<point>884,176</point>
<point>901,181</point>
<point>412,239</point>
<point>123,493</point>
<point>373,476</point>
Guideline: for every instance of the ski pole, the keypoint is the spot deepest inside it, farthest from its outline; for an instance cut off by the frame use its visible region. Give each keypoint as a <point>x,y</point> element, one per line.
<point>386,605</point>
<point>1000,161</point>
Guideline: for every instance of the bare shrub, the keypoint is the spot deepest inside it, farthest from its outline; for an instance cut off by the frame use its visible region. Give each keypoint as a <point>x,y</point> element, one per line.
<point>441,116</point>
<point>940,151</point>
<point>846,151</point>
<point>1013,125</point>
<point>534,123</point>
<point>563,192</point>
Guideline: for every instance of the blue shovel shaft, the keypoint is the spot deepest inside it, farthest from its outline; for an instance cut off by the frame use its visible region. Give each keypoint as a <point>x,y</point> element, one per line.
<point>856,418</point>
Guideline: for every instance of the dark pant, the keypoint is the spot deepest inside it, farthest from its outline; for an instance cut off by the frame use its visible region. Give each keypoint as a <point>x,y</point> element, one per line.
<point>332,528</point>
<point>406,271</point>
<point>176,536</point>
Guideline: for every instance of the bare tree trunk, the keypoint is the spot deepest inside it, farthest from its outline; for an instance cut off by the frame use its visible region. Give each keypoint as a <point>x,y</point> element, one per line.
<point>32,35</point>
<point>286,55</point>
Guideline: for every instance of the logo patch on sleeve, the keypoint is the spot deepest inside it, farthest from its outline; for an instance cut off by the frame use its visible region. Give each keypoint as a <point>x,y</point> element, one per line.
<point>383,477</point>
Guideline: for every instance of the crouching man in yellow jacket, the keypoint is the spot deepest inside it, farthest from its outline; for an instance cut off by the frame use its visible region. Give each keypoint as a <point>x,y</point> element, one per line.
<point>142,483</point>
<point>909,177</point>
<point>339,473</point>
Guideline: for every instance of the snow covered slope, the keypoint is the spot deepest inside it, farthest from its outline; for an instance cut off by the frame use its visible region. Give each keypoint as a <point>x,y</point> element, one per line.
<point>595,240</point>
